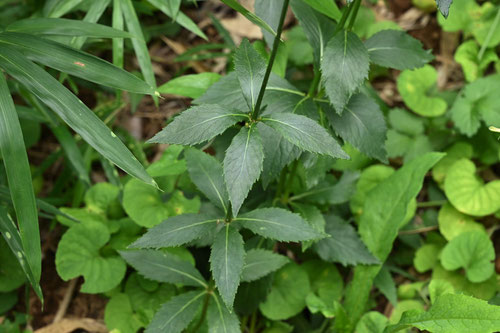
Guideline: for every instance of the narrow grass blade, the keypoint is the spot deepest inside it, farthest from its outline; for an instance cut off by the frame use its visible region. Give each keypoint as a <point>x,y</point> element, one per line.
<point>117,42</point>
<point>249,15</point>
<point>19,178</point>
<point>72,111</point>
<point>59,8</point>
<point>93,15</point>
<point>75,62</point>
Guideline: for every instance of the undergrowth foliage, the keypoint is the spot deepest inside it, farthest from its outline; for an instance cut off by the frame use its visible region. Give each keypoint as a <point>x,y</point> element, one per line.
<point>247,175</point>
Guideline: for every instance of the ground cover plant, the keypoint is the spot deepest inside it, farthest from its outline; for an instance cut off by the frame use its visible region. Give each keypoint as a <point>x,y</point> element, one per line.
<point>339,174</point>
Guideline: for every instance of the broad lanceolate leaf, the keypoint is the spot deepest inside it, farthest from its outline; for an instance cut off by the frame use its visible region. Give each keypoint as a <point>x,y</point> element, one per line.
<point>199,124</point>
<point>175,315</point>
<point>65,27</point>
<point>444,6</point>
<point>250,68</point>
<point>13,239</point>
<point>78,253</point>
<point>397,49</point>
<point>453,313</point>
<point>226,262</point>
<point>344,66</point>
<point>164,267</point>
<point>343,245</point>
<point>72,111</point>
<point>305,133</point>
<point>176,231</point>
<point>249,15</point>
<point>362,124</point>
<point>18,172</point>
<point>383,213</point>
<point>472,251</point>
<point>192,85</point>
<point>220,320</point>
<point>207,174</point>
<point>243,165</point>
<point>278,224</point>
<point>260,262</point>
<point>75,62</point>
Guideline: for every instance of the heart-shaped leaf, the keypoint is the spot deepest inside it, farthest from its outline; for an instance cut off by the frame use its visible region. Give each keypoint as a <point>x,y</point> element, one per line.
<point>453,223</point>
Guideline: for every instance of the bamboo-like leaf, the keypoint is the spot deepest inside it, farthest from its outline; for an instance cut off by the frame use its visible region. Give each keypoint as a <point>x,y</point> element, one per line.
<point>118,42</point>
<point>13,239</point>
<point>65,27</point>
<point>58,8</point>
<point>18,172</point>
<point>249,15</point>
<point>72,111</point>
<point>93,15</point>
<point>75,62</point>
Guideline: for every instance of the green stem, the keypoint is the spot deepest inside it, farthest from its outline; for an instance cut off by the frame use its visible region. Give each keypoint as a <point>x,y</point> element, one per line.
<point>276,43</point>
<point>343,19</point>
<point>253,322</point>
<point>489,35</point>
<point>203,313</point>
<point>431,203</point>
<point>289,183</point>
<point>281,184</point>
<point>315,83</point>
<point>356,5</point>
<point>229,213</point>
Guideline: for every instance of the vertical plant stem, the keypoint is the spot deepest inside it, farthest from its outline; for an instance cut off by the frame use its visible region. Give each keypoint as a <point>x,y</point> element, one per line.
<point>356,5</point>
<point>343,19</point>
<point>315,83</point>
<point>489,35</point>
<point>203,312</point>
<point>276,43</point>
<point>253,322</point>
<point>289,183</point>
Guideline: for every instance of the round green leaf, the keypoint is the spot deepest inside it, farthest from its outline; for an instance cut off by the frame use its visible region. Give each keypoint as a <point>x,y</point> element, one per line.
<point>78,254</point>
<point>438,287</point>
<point>119,315</point>
<point>426,257</point>
<point>454,153</point>
<point>472,251</point>
<point>372,322</point>
<point>467,56</point>
<point>413,85</point>
<point>11,273</point>
<point>468,193</point>
<point>100,197</point>
<point>453,223</point>
<point>288,293</point>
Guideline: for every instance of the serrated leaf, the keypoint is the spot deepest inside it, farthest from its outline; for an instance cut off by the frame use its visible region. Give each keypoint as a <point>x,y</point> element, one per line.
<point>64,27</point>
<point>472,251</point>
<point>72,111</point>
<point>453,313</point>
<point>444,6</point>
<point>344,67</point>
<point>305,133</point>
<point>164,267</point>
<point>343,245</point>
<point>192,85</point>
<point>198,124</point>
<point>278,224</point>
<point>69,60</point>
<point>78,254</point>
<point>175,315</point>
<point>243,165</point>
<point>260,262</point>
<point>249,15</point>
<point>220,320</point>
<point>250,68</point>
<point>384,282</point>
<point>362,124</point>
<point>176,231</point>
<point>269,12</point>
<point>397,49</point>
<point>288,293</point>
<point>226,262</point>
<point>207,174</point>
<point>468,193</point>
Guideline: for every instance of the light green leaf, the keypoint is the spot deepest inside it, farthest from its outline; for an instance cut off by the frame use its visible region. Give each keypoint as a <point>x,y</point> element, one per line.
<point>226,262</point>
<point>467,56</point>
<point>69,60</point>
<point>426,257</point>
<point>15,160</point>
<point>397,49</point>
<point>11,273</point>
<point>457,151</point>
<point>220,320</point>
<point>438,287</point>
<point>472,251</point>
<point>192,85</point>
<point>372,322</point>
<point>305,133</point>
<point>288,293</point>
<point>453,223</point>
<point>207,174</point>
<point>249,15</point>
<point>163,267</point>
<point>143,203</point>
<point>386,285</point>
<point>175,315</point>
<point>94,14</point>
<point>64,27</point>
<point>78,254</point>
<point>250,68</point>
<point>176,231</point>
<point>453,313</point>
<point>344,68</point>
<point>58,8</point>
<point>198,124</point>
<point>100,197</point>
<point>362,124</point>
<point>325,7</point>
<point>343,245</point>
<point>120,316</point>
<point>413,85</point>
<point>72,111</point>
<point>278,224</point>
<point>260,262</point>
<point>243,165</point>
<point>468,193</point>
